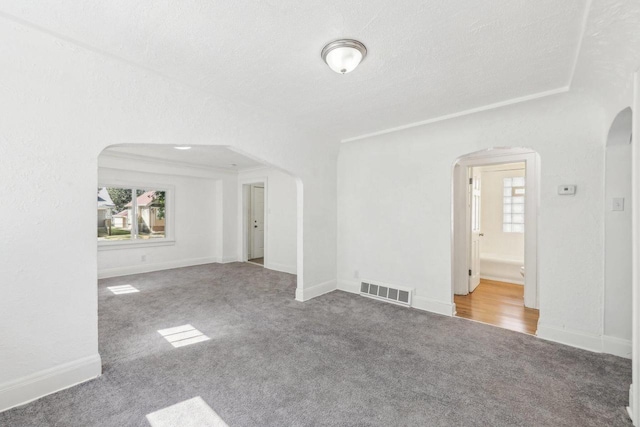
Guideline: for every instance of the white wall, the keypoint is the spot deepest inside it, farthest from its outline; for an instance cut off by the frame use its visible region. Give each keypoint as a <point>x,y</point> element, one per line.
<point>394,208</point>
<point>617,301</point>
<point>501,254</point>
<point>280,218</point>
<point>496,242</point>
<point>193,228</point>
<point>62,104</point>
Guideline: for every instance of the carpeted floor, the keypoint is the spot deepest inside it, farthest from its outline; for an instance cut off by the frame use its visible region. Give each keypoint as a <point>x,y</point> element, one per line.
<point>338,360</point>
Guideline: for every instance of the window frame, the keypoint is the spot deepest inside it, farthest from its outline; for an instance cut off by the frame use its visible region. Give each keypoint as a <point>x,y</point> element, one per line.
<point>169,238</point>
<point>513,193</point>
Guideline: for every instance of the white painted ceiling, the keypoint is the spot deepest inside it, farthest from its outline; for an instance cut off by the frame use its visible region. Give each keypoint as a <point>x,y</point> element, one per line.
<point>426,58</point>
<point>204,156</point>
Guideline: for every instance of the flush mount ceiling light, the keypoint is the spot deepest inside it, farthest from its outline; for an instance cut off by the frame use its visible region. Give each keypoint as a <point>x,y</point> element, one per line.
<point>182,147</point>
<point>343,56</point>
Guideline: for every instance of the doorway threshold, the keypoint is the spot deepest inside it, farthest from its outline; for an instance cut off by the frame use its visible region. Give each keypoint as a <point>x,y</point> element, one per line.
<point>499,304</point>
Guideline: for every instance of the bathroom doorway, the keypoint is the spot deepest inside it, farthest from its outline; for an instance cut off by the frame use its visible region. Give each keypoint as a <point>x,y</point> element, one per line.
<point>495,210</point>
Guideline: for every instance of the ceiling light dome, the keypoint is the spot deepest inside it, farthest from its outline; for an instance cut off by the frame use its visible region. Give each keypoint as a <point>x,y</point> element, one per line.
<point>343,56</point>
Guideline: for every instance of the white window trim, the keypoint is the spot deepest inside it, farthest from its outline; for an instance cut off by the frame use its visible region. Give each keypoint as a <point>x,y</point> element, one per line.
<point>168,240</point>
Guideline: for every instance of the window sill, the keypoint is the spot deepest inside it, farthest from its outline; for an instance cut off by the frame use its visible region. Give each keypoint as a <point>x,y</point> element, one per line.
<point>131,244</point>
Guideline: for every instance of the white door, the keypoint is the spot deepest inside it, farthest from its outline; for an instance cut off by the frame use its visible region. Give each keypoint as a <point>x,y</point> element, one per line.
<point>474,199</point>
<point>257,222</point>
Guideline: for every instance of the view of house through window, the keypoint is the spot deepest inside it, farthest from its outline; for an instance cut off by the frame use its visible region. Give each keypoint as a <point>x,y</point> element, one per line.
<point>513,205</point>
<point>124,217</point>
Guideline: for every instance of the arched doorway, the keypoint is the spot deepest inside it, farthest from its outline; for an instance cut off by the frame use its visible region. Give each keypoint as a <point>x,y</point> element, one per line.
<point>510,267</point>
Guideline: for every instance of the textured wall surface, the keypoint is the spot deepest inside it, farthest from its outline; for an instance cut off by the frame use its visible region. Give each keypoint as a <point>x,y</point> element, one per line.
<point>426,58</point>
<point>62,105</point>
<point>400,186</point>
<point>617,302</point>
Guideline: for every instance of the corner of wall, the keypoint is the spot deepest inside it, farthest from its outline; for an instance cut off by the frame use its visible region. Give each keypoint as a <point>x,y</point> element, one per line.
<point>596,343</point>
<point>307,293</point>
<point>39,384</point>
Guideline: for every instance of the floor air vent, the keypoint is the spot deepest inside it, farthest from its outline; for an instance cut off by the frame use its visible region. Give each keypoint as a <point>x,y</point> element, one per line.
<point>390,293</point>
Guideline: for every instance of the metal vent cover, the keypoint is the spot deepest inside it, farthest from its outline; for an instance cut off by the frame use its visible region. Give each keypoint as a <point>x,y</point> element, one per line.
<point>386,292</point>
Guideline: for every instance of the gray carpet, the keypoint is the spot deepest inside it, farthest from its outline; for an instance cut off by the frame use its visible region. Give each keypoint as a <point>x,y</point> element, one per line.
<point>338,360</point>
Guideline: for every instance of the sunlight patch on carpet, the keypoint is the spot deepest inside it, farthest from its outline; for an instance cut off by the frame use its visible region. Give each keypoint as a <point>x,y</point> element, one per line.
<point>183,335</point>
<point>189,413</point>
<point>124,289</point>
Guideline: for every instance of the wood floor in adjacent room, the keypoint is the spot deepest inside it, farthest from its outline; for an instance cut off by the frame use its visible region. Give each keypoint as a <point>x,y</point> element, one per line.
<point>500,304</point>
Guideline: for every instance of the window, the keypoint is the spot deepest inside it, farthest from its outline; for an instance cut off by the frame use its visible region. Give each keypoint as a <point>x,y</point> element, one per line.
<point>122,217</point>
<point>513,205</point>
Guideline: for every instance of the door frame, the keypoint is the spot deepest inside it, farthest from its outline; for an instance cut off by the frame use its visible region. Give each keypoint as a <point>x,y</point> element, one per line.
<point>469,219</point>
<point>461,230</point>
<point>634,389</point>
<point>244,186</point>
<point>250,226</point>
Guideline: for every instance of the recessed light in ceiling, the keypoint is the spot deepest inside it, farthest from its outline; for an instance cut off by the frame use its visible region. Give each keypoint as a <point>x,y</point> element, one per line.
<point>182,147</point>
<point>343,56</point>
<point>233,165</point>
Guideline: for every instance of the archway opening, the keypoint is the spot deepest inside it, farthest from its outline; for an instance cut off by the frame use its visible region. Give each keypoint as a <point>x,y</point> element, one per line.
<point>495,203</point>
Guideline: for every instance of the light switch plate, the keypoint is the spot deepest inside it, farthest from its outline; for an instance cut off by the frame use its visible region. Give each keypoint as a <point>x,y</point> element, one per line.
<point>617,204</point>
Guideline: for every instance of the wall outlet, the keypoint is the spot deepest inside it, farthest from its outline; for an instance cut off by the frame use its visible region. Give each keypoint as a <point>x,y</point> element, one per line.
<point>356,274</point>
<point>143,258</point>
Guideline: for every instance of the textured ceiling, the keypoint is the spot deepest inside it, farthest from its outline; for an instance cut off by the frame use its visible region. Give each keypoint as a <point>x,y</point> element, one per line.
<point>208,156</point>
<point>426,58</point>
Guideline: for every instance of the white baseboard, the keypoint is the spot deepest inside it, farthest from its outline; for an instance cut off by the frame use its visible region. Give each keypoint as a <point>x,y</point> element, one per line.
<point>316,290</point>
<point>616,346</point>
<point>503,279</point>
<point>570,337</point>
<point>147,268</point>
<point>226,260</point>
<point>34,386</point>
<point>351,286</point>
<point>417,302</point>
<point>291,269</point>
<point>427,304</point>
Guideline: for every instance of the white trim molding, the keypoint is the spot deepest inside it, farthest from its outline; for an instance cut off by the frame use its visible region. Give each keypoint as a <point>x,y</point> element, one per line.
<point>307,293</point>
<point>39,384</point>
<point>616,346</point>
<point>570,337</point>
<point>488,107</point>
<point>147,268</point>
<point>291,269</point>
<point>634,391</point>
<point>427,304</point>
<point>350,286</point>
<point>417,301</point>
<point>502,279</point>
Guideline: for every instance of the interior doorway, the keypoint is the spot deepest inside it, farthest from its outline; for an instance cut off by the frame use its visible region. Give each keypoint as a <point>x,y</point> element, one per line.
<point>254,222</point>
<point>495,228</point>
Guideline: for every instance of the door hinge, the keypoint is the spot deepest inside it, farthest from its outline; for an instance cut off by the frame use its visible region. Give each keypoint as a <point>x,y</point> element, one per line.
<point>469,272</point>
<point>470,181</point>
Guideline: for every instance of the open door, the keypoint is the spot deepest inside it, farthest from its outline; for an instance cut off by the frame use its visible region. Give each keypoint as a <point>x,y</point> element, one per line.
<point>474,201</point>
<point>257,222</point>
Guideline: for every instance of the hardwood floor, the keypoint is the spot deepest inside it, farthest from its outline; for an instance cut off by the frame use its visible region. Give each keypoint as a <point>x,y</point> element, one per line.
<point>500,304</point>
<point>257,260</point>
